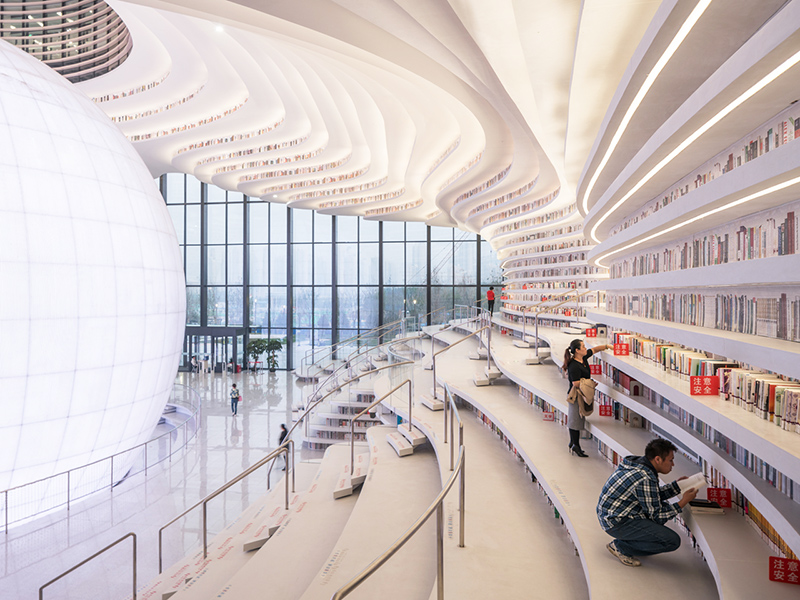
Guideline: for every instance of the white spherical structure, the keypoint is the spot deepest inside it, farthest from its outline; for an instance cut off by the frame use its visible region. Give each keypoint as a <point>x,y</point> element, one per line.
<point>92,297</point>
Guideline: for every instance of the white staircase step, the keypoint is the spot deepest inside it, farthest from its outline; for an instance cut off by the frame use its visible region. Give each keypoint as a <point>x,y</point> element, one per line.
<point>479,354</point>
<point>414,435</point>
<point>429,403</point>
<point>481,380</point>
<point>492,372</point>
<point>400,444</point>
<point>522,344</point>
<point>347,482</point>
<point>438,392</point>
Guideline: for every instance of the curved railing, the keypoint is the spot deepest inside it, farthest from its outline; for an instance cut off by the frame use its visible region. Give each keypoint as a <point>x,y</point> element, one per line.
<point>63,489</point>
<point>437,506</point>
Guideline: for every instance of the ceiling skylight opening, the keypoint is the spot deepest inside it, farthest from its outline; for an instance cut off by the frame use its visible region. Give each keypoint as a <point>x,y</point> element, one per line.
<point>769,78</point>
<point>754,196</point>
<point>687,26</point>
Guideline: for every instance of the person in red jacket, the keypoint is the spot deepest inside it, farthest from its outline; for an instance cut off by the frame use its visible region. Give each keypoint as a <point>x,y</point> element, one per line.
<point>490,299</point>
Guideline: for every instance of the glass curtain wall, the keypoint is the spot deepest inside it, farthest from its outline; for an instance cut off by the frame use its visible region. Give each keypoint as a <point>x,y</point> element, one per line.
<point>314,279</point>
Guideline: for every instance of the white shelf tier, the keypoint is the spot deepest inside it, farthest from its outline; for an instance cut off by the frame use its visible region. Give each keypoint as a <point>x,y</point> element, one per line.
<point>779,165</point>
<point>779,356</point>
<point>732,547</point>
<point>528,255</point>
<point>762,271</point>
<point>536,242</point>
<point>338,429</point>
<point>565,220</point>
<point>764,439</point>
<point>780,510</point>
<point>541,278</point>
<point>572,263</point>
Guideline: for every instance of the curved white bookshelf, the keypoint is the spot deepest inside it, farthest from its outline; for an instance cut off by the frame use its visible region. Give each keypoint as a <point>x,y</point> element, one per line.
<point>779,356</point>
<point>759,271</point>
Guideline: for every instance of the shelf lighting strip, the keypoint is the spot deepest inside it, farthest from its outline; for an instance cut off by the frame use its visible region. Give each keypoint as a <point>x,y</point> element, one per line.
<point>676,42</point>
<point>740,201</point>
<point>752,91</point>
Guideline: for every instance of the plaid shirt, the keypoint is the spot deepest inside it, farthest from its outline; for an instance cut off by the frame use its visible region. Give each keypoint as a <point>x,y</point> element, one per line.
<point>632,492</point>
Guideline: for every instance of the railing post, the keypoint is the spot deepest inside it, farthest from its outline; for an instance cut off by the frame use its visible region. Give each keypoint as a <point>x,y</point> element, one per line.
<point>440,552</point>
<point>205,530</point>
<point>462,496</point>
<point>286,462</point>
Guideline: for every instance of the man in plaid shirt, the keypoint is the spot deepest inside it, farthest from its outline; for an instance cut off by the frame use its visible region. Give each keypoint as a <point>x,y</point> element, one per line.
<point>633,507</point>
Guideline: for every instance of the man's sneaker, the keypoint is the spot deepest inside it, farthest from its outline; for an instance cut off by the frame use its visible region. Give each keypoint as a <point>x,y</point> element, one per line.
<point>626,560</point>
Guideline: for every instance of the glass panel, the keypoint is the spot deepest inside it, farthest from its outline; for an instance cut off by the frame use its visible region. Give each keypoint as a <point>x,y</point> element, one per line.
<point>215,224</point>
<point>175,188</point>
<point>393,264</point>
<point>393,231</point>
<point>235,223</point>
<point>368,264</point>
<point>465,296</point>
<point>277,223</point>
<point>235,306</point>
<point>216,306</point>
<point>258,222</point>
<point>322,338</point>
<point>465,263</point>
<point>176,212</point>
<point>301,225</point>
<point>301,344</point>
<point>302,271</point>
<point>368,308</point>
<point>442,233</point>
<point>235,265</point>
<point>303,298</point>
<point>215,194</point>
<point>442,263</point>
<point>259,265</point>
<point>348,307</point>
<point>346,229</point>
<point>416,301</point>
<point>369,230</point>
<point>193,265</point>
<point>277,264</point>
<point>322,264</point>
<point>193,306</point>
<point>259,307</point>
<point>416,263</point>
<point>347,264</point>
<point>323,307</point>
<point>416,231</point>
<point>441,298</point>
<point>490,266</point>
<point>323,227</point>
<point>235,197</point>
<point>277,307</point>
<point>193,190</point>
<point>392,304</point>
<point>215,265</point>
<point>192,224</point>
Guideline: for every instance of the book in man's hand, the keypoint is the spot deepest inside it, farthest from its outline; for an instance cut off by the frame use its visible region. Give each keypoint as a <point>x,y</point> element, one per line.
<point>696,481</point>
<point>705,507</point>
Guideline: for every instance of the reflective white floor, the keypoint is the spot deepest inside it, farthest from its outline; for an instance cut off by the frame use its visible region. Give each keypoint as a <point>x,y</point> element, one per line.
<point>34,553</point>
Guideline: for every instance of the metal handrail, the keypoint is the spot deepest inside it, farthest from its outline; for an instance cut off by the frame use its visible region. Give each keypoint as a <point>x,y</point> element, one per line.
<point>283,449</point>
<point>525,309</point>
<point>436,505</point>
<point>548,309</point>
<point>433,335</point>
<point>368,409</point>
<point>95,555</point>
<point>454,412</point>
<point>453,345</point>
<point>372,332</point>
<point>196,411</point>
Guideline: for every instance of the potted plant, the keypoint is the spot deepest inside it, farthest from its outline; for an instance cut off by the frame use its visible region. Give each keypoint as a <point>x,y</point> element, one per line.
<point>257,347</point>
<point>274,345</point>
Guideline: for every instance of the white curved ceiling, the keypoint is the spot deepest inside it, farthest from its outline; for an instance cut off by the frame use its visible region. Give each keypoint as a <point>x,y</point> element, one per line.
<point>434,110</point>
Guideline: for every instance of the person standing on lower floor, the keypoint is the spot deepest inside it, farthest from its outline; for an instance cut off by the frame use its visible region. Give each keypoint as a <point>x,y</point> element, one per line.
<point>234,399</point>
<point>490,300</point>
<point>633,506</point>
<point>576,366</point>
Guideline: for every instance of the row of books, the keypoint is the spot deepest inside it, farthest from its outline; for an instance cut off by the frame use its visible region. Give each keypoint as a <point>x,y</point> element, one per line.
<point>521,253</point>
<point>776,317</point>
<point>556,272</point>
<point>549,233</point>
<point>548,260</point>
<point>777,131</point>
<point>762,235</point>
<point>534,221</point>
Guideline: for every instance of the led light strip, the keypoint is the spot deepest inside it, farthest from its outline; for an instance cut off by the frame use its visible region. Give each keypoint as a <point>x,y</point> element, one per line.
<point>772,76</point>
<point>740,201</point>
<point>648,83</point>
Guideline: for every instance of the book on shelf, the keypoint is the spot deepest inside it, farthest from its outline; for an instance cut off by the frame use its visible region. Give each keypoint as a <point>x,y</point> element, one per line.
<point>705,507</point>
